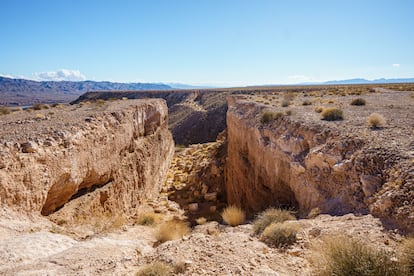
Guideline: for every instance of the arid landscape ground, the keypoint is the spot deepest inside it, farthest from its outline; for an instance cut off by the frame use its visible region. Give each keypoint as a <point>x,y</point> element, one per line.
<point>98,188</point>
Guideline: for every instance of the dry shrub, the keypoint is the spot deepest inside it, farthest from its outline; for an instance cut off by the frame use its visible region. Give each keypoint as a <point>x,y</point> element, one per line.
<point>318,109</point>
<point>358,101</point>
<point>172,230</point>
<point>289,112</point>
<point>155,269</point>
<point>285,103</point>
<point>342,256</point>
<point>233,215</point>
<point>332,114</point>
<point>4,110</point>
<point>39,106</point>
<point>147,219</point>
<point>306,102</point>
<point>201,220</point>
<point>270,216</point>
<point>314,213</point>
<point>280,234</point>
<point>407,255</point>
<point>268,116</point>
<point>376,120</point>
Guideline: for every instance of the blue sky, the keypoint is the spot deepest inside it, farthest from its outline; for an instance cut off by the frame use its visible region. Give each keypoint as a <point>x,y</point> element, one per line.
<point>216,42</point>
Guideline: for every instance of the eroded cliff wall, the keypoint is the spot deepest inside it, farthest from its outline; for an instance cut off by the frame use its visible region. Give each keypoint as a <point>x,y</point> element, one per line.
<point>304,164</point>
<point>118,150</point>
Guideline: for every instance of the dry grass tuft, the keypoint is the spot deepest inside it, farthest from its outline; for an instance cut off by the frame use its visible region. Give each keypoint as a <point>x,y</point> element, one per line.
<point>376,120</point>
<point>147,219</point>
<point>318,109</point>
<point>358,101</point>
<point>155,269</point>
<point>172,230</point>
<point>407,255</point>
<point>332,114</point>
<point>233,215</point>
<point>270,216</point>
<point>268,116</point>
<point>201,220</point>
<point>280,234</point>
<point>4,110</point>
<point>342,256</point>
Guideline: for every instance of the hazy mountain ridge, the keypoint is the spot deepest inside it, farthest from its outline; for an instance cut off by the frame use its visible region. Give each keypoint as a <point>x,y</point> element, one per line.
<point>25,92</point>
<point>365,81</point>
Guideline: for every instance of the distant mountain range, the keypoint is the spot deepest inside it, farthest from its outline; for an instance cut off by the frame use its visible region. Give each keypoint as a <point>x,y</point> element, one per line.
<point>365,81</point>
<point>27,92</point>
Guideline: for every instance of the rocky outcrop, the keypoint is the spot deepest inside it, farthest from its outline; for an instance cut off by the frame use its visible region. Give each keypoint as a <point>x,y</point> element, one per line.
<point>304,165</point>
<point>116,154</point>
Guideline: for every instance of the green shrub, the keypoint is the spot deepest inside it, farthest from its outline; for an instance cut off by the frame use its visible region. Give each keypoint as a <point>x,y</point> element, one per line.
<point>280,234</point>
<point>358,101</point>
<point>233,215</point>
<point>155,269</point>
<point>270,216</point>
<point>332,114</point>
<point>344,257</point>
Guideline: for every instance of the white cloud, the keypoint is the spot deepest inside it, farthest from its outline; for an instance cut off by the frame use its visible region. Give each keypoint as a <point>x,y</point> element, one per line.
<point>396,65</point>
<point>60,75</point>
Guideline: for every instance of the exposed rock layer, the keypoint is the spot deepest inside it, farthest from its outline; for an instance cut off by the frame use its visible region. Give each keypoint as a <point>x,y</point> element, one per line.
<point>301,165</point>
<point>123,149</point>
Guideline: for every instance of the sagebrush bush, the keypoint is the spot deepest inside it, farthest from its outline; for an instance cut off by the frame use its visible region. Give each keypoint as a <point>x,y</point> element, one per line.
<point>376,120</point>
<point>268,116</point>
<point>332,114</point>
<point>306,102</point>
<point>172,230</point>
<point>270,216</point>
<point>155,269</point>
<point>342,256</point>
<point>233,215</point>
<point>285,103</point>
<point>358,101</point>
<point>407,256</point>
<point>280,234</point>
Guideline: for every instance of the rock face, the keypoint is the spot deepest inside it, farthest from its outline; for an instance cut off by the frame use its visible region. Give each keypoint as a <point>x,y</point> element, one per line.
<point>116,154</point>
<point>303,166</point>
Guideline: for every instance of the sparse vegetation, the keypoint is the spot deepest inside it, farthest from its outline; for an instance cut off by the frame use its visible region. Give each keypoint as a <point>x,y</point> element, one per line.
<point>268,116</point>
<point>285,103</point>
<point>306,102</point>
<point>318,109</point>
<point>280,234</point>
<point>289,112</point>
<point>314,213</point>
<point>201,220</point>
<point>358,101</point>
<point>172,230</point>
<point>4,110</point>
<point>233,215</point>
<point>147,219</point>
<point>155,269</point>
<point>39,106</point>
<point>345,257</point>
<point>376,120</point>
<point>269,216</point>
<point>407,256</point>
<point>332,114</point>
